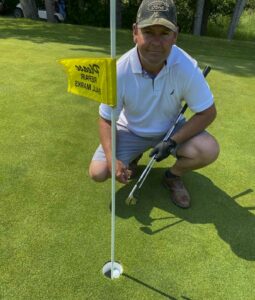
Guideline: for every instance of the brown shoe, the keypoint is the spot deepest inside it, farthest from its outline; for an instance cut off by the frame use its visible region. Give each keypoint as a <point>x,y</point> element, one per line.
<point>179,194</point>
<point>132,167</point>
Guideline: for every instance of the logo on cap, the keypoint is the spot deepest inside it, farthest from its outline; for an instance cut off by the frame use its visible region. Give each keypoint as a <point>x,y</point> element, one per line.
<point>158,6</point>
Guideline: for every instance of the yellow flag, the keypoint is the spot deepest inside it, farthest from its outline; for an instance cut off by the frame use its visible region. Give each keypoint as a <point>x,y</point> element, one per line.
<point>94,78</point>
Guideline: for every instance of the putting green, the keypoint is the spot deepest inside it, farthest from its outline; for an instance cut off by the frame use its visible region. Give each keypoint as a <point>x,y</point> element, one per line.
<point>55,222</point>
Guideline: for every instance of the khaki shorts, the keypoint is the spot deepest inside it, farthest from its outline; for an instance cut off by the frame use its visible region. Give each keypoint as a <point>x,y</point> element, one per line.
<point>130,145</point>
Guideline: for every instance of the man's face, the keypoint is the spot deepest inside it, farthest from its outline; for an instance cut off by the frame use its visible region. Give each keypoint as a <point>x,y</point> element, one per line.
<point>154,44</point>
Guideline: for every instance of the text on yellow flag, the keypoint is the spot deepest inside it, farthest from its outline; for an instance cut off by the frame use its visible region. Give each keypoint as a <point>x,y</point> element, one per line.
<point>93,78</point>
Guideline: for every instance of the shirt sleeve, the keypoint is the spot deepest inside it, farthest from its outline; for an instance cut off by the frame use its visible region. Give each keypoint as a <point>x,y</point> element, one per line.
<point>105,110</point>
<point>197,92</point>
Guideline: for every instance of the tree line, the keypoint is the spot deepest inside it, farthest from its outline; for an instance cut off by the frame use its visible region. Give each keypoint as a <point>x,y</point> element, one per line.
<point>193,16</point>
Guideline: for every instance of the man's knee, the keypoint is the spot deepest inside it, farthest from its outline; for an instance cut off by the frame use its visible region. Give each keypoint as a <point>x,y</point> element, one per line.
<point>203,148</point>
<point>215,150</point>
<point>98,171</point>
<point>208,149</point>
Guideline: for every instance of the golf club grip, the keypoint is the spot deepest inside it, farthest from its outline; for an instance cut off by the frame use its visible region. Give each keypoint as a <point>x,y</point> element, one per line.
<point>206,71</point>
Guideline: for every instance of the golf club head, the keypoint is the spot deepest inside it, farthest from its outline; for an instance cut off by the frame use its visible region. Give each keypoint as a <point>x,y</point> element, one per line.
<point>131,200</point>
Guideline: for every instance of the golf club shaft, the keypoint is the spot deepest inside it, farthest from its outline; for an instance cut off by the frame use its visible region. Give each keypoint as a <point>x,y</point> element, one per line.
<point>147,171</point>
<point>167,136</point>
<point>142,177</point>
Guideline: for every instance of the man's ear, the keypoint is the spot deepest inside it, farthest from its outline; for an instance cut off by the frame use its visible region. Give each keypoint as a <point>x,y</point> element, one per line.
<point>135,32</point>
<point>176,35</point>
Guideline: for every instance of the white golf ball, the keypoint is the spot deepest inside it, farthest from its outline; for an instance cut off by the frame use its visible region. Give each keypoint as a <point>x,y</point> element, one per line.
<point>116,273</point>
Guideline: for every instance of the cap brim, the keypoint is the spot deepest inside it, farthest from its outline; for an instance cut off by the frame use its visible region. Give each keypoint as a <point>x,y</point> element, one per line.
<point>159,21</point>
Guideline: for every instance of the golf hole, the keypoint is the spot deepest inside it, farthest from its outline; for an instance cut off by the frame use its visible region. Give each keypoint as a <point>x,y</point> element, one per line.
<point>117,270</point>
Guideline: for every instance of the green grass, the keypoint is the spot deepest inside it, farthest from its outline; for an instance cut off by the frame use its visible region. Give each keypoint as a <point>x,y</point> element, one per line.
<point>55,222</point>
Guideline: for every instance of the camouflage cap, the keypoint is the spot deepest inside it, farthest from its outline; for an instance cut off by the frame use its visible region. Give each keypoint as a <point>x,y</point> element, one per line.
<point>157,12</point>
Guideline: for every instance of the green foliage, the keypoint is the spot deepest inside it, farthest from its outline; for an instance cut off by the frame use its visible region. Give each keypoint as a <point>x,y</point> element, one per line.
<point>221,8</point>
<point>218,27</point>
<point>185,15</point>
<point>89,12</point>
<point>10,5</point>
<point>129,10</point>
<point>250,4</point>
<point>96,12</point>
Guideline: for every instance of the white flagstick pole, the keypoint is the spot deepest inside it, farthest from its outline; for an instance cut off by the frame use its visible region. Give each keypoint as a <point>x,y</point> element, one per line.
<point>113,269</point>
<point>113,28</point>
<point>113,121</point>
<point>113,54</point>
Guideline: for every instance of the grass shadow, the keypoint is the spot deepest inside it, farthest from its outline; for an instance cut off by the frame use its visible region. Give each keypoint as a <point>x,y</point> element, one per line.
<point>148,286</point>
<point>233,57</point>
<point>93,39</point>
<point>210,205</point>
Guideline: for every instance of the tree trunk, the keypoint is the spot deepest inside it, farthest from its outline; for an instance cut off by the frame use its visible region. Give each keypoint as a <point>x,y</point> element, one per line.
<point>206,14</point>
<point>240,4</point>
<point>118,14</point>
<point>29,9</point>
<point>50,9</point>
<point>198,17</point>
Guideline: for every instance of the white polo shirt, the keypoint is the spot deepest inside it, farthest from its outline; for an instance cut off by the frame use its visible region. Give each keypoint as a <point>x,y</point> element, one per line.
<point>148,107</point>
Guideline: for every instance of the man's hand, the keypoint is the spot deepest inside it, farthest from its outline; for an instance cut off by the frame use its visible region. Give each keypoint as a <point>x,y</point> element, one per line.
<point>121,172</point>
<point>163,149</point>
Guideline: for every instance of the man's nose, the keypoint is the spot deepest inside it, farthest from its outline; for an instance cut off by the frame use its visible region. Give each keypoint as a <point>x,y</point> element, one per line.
<point>156,39</point>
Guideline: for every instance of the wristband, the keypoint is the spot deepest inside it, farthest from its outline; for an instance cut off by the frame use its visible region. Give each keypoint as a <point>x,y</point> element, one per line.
<point>172,142</point>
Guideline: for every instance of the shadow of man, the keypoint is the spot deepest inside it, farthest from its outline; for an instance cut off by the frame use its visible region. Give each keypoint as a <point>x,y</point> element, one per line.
<point>235,224</point>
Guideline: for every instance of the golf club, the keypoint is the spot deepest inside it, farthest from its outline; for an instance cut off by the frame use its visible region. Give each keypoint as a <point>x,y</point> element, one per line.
<point>131,200</point>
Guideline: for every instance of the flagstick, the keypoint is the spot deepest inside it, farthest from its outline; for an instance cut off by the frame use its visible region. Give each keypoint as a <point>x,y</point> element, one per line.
<point>113,55</point>
<point>114,268</point>
<point>113,28</point>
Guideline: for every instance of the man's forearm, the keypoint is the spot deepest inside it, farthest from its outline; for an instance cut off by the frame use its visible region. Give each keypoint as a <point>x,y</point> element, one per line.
<point>196,124</point>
